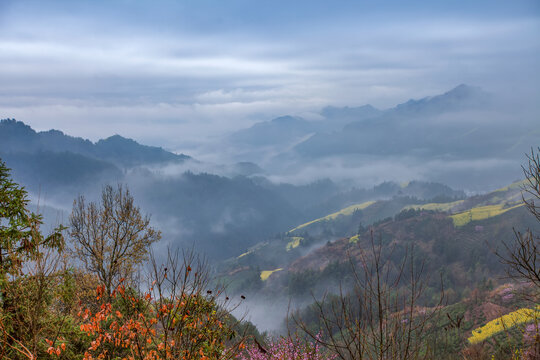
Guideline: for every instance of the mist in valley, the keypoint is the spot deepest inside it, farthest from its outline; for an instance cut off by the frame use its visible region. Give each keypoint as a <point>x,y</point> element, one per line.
<point>277,140</point>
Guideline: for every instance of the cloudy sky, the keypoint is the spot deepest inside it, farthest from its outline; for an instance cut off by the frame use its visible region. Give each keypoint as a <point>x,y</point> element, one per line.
<point>174,73</point>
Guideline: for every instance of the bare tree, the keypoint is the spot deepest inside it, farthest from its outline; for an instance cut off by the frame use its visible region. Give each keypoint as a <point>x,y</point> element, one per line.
<point>183,284</point>
<point>381,318</point>
<point>532,185</point>
<point>522,257</point>
<point>112,237</point>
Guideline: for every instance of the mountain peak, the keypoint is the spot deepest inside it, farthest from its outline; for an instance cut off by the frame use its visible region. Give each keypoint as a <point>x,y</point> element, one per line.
<point>280,130</point>
<point>358,112</point>
<point>53,132</point>
<point>17,136</point>
<point>117,139</point>
<point>464,91</point>
<point>16,126</point>
<point>286,119</point>
<point>460,97</point>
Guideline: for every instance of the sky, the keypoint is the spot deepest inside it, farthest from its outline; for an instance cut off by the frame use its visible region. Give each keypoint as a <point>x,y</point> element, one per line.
<point>178,73</point>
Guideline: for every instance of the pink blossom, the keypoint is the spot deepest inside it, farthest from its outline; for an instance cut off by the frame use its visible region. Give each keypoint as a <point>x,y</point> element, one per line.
<point>287,348</point>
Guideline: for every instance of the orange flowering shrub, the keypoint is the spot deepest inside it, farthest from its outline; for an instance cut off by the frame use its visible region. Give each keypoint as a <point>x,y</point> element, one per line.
<point>184,324</point>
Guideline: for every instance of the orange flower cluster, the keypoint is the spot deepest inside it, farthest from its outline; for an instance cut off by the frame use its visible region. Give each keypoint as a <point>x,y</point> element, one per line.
<point>52,350</point>
<point>133,327</point>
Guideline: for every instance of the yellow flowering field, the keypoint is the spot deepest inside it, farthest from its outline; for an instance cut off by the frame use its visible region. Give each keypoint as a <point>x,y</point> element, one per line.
<point>504,322</point>
<point>294,243</point>
<point>480,213</point>
<point>435,206</point>
<point>346,212</point>
<point>265,274</point>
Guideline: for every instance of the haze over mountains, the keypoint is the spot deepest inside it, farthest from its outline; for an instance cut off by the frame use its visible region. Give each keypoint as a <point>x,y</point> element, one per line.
<point>354,178</point>
<point>465,137</point>
<point>411,128</point>
<point>17,137</point>
<point>286,170</point>
<point>301,193</point>
<point>355,121</point>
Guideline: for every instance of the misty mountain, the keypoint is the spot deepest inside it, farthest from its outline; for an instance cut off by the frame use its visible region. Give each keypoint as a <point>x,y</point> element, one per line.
<point>461,97</point>
<point>16,137</point>
<point>318,198</point>
<point>245,168</point>
<point>340,127</point>
<point>221,215</point>
<point>285,130</point>
<point>419,128</point>
<point>53,161</point>
<point>217,214</point>
<point>335,118</point>
<point>281,130</point>
<point>128,152</point>
<point>59,171</point>
<point>446,138</point>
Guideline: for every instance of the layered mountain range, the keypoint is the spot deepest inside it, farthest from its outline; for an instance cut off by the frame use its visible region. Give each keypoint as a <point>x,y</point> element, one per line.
<point>345,130</point>
<point>218,214</point>
<point>442,138</point>
<point>269,238</point>
<point>339,160</point>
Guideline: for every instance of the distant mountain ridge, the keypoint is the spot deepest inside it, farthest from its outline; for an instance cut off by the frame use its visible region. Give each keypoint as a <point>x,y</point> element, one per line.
<point>280,130</point>
<point>287,129</point>
<point>461,97</point>
<point>220,214</point>
<point>55,161</point>
<point>362,129</point>
<point>15,136</point>
<point>440,126</point>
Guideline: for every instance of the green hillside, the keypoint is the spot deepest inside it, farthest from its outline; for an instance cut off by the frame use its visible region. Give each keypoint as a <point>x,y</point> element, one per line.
<point>452,235</point>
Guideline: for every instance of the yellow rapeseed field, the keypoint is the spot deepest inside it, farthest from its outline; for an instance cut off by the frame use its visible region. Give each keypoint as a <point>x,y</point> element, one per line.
<point>346,212</point>
<point>435,206</point>
<point>480,213</point>
<point>266,273</point>
<point>244,254</point>
<point>504,322</point>
<point>294,243</point>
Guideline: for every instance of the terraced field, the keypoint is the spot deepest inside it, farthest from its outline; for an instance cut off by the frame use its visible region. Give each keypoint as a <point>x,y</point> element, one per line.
<point>481,213</point>
<point>436,206</point>
<point>343,212</point>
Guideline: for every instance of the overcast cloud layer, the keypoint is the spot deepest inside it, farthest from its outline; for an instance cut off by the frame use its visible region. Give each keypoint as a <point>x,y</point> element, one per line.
<point>177,73</point>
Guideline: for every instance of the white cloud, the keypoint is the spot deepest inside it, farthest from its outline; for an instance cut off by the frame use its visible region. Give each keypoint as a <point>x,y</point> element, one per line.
<point>171,86</point>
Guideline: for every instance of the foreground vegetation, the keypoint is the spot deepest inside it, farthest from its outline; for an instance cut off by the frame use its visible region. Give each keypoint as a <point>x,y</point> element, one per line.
<point>81,293</point>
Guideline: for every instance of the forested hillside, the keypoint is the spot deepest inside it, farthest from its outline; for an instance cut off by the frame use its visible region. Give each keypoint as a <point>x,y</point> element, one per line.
<point>458,237</point>
<point>429,276</point>
<point>217,214</point>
